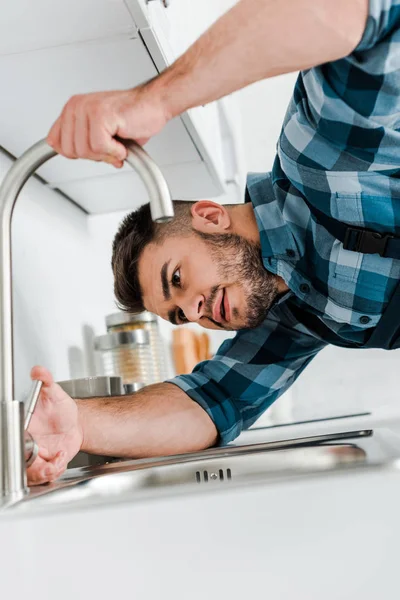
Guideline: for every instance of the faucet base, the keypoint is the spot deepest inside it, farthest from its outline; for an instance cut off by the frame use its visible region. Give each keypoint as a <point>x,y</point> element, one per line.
<point>12,471</point>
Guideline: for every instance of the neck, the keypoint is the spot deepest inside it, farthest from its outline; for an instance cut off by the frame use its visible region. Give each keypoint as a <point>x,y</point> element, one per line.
<point>244,223</point>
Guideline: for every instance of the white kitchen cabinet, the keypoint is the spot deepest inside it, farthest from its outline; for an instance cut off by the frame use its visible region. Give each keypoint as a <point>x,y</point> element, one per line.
<point>120,191</point>
<point>177,26</point>
<point>46,78</point>
<point>27,26</point>
<point>167,33</point>
<point>44,65</point>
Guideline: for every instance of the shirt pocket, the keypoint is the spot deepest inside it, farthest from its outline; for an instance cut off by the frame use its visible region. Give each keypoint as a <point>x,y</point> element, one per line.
<point>347,263</point>
<point>346,208</point>
<point>360,210</point>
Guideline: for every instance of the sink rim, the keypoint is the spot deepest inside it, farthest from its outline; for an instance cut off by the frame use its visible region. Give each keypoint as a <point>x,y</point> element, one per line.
<point>79,475</point>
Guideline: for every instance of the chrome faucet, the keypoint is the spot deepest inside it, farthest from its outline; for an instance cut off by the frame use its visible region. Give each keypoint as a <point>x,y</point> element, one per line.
<point>13,420</point>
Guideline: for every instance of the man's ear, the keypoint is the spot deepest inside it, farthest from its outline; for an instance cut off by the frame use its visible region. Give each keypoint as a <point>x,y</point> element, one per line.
<point>210,217</point>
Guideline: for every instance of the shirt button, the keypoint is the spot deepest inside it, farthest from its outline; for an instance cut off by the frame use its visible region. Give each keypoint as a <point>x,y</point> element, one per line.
<point>364,320</point>
<point>304,288</point>
<point>291,253</point>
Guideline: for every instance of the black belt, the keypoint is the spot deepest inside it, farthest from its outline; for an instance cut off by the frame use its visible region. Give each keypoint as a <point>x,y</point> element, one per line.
<point>357,239</point>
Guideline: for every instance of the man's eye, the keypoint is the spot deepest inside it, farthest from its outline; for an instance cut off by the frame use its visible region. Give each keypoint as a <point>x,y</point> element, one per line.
<point>181,316</point>
<point>176,278</point>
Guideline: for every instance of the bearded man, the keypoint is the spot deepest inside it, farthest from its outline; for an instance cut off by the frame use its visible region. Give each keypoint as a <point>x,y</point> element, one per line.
<point>312,257</point>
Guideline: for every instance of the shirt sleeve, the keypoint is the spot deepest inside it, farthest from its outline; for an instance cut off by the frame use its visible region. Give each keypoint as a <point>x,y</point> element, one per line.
<point>250,371</point>
<point>383,17</point>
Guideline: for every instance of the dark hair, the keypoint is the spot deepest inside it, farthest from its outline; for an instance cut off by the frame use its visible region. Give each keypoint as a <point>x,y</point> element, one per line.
<point>136,231</point>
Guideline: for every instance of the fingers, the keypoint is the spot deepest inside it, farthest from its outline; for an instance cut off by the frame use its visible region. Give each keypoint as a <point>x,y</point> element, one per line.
<point>86,128</point>
<point>51,392</point>
<point>42,374</point>
<point>82,132</point>
<point>103,145</point>
<point>61,136</point>
<point>54,136</point>
<point>68,132</point>
<point>45,471</point>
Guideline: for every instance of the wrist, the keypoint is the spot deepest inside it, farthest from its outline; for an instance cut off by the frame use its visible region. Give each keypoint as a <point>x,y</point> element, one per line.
<point>166,89</point>
<point>80,423</point>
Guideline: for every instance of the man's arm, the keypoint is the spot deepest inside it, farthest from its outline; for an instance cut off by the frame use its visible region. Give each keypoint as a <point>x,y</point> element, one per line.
<point>216,402</point>
<point>256,39</point>
<point>160,419</point>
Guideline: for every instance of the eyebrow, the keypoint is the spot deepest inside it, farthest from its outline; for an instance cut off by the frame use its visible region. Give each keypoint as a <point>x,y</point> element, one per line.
<point>167,291</point>
<point>164,281</point>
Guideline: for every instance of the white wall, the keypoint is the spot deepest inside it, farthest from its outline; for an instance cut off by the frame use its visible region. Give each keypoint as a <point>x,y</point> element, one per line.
<point>62,282</point>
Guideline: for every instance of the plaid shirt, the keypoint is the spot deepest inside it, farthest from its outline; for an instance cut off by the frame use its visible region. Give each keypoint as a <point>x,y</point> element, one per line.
<point>339,148</point>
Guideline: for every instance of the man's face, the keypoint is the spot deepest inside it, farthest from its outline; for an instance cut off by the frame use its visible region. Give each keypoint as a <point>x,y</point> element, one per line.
<point>215,280</point>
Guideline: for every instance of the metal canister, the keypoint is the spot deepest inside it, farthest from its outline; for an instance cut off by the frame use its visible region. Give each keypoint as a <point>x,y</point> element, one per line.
<point>146,321</point>
<point>126,354</point>
<point>93,387</point>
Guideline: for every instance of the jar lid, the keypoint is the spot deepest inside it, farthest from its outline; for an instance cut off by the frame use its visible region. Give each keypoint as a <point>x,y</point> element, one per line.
<point>123,318</point>
<point>110,341</point>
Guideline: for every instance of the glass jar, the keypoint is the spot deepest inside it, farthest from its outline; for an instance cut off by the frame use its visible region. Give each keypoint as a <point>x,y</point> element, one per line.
<point>126,354</point>
<point>146,321</point>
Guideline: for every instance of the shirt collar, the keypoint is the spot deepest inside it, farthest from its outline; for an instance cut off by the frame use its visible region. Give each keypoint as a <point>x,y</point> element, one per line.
<point>275,236</point>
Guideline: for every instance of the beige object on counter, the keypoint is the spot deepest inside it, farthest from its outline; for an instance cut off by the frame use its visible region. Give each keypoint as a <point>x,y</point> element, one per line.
<point>189,348</point>
<point>203,346</point>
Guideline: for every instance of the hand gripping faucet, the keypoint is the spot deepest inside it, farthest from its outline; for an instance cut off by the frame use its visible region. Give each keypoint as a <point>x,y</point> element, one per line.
<point>13,420</point>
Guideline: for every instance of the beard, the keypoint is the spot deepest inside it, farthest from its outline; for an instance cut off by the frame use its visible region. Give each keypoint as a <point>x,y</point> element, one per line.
<point>239,261</point>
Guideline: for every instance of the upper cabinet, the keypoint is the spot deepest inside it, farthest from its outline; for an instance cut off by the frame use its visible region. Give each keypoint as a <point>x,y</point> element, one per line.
<point>50,51</point>
<point>26,26</point>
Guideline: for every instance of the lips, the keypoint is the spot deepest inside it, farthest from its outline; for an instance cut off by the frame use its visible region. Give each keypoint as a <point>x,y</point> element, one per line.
<point>227,308</point>
<point>217,316</point>
<point>221,309</point>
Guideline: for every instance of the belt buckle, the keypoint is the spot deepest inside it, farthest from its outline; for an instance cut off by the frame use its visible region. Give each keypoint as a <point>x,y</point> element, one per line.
<point>367,242</point>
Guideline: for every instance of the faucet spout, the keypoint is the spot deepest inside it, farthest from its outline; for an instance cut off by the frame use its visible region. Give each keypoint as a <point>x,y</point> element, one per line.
<point>12,418</point>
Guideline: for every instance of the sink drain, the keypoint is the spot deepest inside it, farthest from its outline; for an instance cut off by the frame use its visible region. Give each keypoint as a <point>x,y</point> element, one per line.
<point>220,475</point>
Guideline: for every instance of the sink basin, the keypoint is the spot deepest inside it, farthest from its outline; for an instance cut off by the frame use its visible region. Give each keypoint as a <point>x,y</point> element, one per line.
<point>130,480</point>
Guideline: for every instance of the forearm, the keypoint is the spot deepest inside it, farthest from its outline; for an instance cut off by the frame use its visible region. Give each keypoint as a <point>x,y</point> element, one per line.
<point>257,39</point>
<point>160,419</point>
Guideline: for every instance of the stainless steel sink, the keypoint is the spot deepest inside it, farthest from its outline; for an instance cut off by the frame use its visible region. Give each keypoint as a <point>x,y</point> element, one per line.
<point>130,480</point>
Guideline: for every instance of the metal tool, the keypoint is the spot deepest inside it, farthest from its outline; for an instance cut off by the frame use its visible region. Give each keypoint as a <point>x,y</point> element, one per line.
<point>31,449</point>
<point>31,402</point>
<point>12,417</point>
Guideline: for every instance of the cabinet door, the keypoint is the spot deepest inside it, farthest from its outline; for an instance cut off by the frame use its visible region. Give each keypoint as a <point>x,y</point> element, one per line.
<point>27,25</point>
<point>179,24</point>
<point>167,33</point>
<point>126,191</point>
<point>37,84</point>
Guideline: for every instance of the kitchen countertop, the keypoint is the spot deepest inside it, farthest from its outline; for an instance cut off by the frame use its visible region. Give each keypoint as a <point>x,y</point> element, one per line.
<point>333,536</point>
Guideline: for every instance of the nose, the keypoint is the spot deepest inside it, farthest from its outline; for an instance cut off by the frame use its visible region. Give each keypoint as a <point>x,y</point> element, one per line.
<point>194,308</point>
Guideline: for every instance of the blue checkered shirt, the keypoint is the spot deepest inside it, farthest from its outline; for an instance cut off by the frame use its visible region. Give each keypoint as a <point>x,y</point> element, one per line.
<point>340,149</point>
